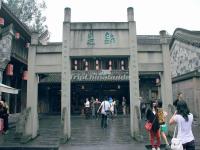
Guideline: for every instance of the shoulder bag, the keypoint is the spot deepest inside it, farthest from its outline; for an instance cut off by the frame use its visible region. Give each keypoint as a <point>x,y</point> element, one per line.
<point>176,143</point>
<point>148,125</point>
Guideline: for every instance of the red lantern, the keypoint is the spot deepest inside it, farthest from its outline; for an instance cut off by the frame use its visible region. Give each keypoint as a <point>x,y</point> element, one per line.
<point>27,45</point>
<point>17,35</point>
<point>9,70</point>
<point>25,75</point>
<point>1,21</point>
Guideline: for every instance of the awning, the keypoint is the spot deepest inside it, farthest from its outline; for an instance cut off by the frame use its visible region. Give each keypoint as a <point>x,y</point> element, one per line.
<point>8,89</point>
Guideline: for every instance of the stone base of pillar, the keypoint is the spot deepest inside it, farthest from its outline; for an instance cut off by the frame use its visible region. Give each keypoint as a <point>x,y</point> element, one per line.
<point>138,137</point>
<point>64,139</point>
<point>26,138</point>
<point>136,126</point>
<point>21,125</point>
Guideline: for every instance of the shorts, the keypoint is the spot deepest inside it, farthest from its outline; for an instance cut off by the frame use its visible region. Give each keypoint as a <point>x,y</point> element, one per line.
<point>163,128</point>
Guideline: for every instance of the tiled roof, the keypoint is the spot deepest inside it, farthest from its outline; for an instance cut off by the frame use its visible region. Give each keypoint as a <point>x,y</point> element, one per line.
<point>186,36</point>
<point>11,18</point>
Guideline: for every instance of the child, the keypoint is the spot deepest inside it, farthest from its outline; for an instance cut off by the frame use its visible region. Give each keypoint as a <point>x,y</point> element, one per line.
<point>161,118</point>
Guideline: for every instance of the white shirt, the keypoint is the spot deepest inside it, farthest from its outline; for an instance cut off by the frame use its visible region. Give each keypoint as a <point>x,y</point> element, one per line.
<point>184,128</point>
<point>87,104</point>
<point>112,106</point>
<point>105,106</point>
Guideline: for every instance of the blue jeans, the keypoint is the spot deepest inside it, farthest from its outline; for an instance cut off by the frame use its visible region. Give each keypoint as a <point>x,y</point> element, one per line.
<point>189,145</point>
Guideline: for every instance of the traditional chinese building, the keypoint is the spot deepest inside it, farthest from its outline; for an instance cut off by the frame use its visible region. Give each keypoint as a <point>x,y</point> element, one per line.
<point>185,62</point>
<point>14,42</point>
<point>96,59</point>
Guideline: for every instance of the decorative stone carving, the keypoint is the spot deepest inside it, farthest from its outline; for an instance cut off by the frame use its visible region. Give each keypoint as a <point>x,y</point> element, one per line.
<point>5,48</point>
<point>184,58</point>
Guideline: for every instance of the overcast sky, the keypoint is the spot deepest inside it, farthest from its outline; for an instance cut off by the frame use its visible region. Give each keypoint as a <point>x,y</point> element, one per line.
<point>151,16</point>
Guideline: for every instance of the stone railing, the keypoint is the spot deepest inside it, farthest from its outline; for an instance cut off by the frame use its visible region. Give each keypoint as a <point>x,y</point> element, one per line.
<point>102,75</point>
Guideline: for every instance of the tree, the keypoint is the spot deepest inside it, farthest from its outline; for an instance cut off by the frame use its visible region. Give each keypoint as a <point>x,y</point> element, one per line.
<point>29,12</point>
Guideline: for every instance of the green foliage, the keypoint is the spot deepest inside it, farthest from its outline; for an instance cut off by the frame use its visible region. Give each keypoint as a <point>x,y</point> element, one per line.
<point>29,12</point>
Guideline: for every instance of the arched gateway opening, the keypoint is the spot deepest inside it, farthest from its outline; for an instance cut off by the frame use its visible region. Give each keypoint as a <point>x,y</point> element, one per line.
<point>49,95</point>
<point>96,59</point>
<point>99,90</point>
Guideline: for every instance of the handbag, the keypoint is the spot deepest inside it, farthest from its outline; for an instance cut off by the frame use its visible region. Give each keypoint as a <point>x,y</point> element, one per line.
<point>148,125</point>
<point>176,143</point>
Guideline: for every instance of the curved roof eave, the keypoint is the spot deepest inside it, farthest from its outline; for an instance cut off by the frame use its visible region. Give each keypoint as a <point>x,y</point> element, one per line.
<point>18,24</point>
<point>186,36</point>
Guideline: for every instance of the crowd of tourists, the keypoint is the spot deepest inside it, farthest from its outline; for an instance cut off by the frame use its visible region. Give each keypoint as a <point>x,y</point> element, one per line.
<point>156,125</point>
<point>108,107</point>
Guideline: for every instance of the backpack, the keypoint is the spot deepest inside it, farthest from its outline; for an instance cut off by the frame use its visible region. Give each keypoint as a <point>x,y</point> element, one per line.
<point>161,116</point>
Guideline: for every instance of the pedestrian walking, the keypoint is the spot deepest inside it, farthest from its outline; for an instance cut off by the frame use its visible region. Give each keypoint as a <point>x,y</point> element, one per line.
<point>92,106</point>
<point>87,108</point>
<point>124,105</point>
<point>183,119</point>
<point>97,103</point>
<point>104,108</point>
<point>116,106</point>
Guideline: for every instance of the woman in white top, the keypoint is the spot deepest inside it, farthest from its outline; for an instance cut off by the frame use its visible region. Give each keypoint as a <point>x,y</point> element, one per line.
<point>87,109</point>
<point>184,120</point>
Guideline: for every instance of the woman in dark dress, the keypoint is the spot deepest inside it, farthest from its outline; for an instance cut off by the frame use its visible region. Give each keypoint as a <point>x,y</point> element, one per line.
<point>154,132</point>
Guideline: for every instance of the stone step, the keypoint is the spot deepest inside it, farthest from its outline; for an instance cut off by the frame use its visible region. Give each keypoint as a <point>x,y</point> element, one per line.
<point>28,148</point>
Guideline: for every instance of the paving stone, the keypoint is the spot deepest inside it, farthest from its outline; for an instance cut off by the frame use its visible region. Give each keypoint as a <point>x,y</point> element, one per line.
<point>86,135</point>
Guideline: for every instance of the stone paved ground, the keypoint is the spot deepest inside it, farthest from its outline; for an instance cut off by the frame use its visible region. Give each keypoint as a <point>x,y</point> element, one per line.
<point>48,138</point>
<point>86,135</point>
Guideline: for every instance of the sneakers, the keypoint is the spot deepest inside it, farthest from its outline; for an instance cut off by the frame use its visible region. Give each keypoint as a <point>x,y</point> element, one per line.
<point>158,148</point>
